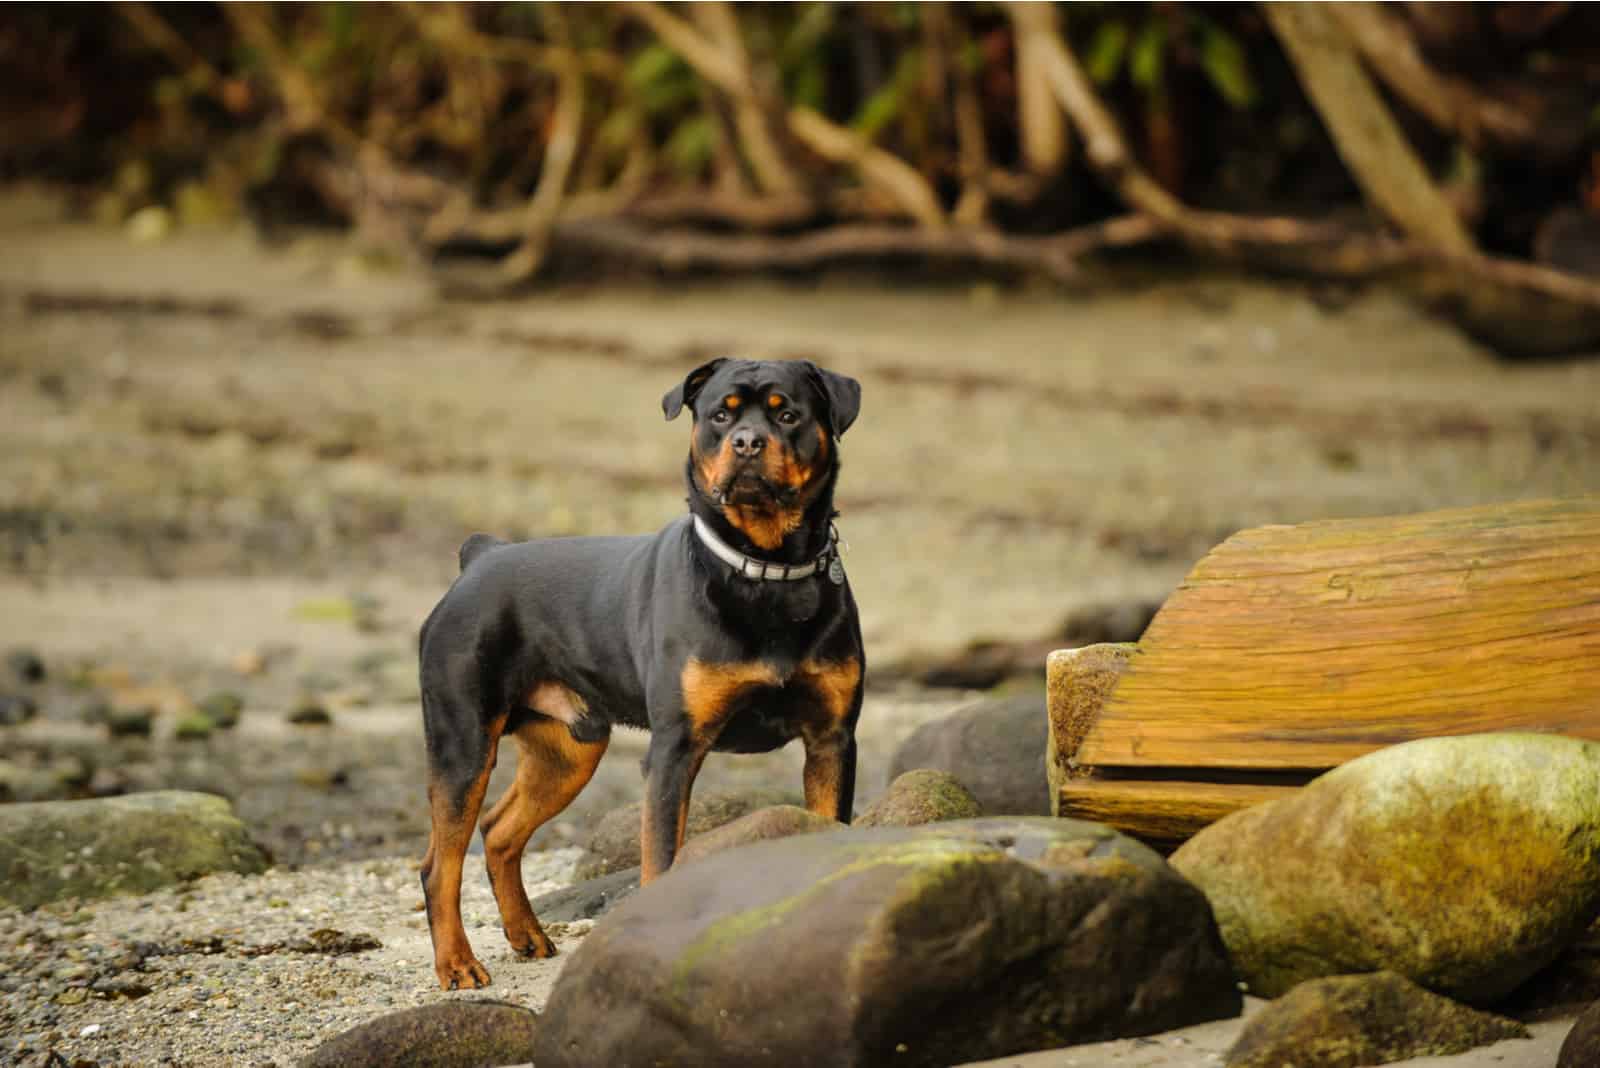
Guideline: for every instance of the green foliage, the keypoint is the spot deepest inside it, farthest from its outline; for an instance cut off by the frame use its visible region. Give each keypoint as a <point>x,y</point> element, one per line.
<point>1224,61</point>
<point>1147,57</point>
<point>661,81</point>
<point>692,144</point>
<point>1107,50</point>
<point>885,105</point>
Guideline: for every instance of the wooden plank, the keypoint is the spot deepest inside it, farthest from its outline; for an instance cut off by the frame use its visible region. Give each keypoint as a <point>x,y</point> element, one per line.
<point>1305,646</point>
<point>1160,811</point>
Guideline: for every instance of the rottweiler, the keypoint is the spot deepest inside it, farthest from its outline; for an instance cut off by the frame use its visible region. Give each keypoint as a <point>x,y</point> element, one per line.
<point>733,629</point>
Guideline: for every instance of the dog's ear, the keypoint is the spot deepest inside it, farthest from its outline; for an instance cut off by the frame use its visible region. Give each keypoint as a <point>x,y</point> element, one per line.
<point>685,392</point>
<point>841,394</point>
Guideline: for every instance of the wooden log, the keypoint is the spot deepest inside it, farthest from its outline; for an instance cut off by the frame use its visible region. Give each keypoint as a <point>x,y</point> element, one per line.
<point>1300,647</point>
<point>1291,649</point>
<point>1162,812</point>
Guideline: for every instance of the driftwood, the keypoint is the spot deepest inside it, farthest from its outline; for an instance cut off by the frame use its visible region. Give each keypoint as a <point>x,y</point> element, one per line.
<point>1366,135</point>
<point>1291,649</point>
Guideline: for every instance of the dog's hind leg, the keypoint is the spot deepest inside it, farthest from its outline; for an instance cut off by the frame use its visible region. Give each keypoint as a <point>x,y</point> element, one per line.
<point>552,767</point>
<point>461,754</point>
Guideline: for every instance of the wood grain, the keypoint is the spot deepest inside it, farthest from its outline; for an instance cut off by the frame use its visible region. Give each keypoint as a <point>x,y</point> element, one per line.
<point>1300,647</point>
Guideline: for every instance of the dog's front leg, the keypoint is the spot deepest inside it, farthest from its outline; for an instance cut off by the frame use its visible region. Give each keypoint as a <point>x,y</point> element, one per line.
<point>670,766</point>
<point>830,773</point>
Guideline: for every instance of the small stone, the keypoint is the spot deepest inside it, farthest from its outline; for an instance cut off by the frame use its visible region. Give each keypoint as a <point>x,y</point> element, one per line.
<point>322,778</point>
<point>222,708</point>
<point>1363,1019</point>
<point>248,663</point>
<point>75,995</point>
<point>310,712</point>
<point>130,722</point>
<point>25,665</point>
<point>16,709</point>
<point>921,796</point>
<point>119,987</point>
<point>148,226</point>
<point>193,728</point>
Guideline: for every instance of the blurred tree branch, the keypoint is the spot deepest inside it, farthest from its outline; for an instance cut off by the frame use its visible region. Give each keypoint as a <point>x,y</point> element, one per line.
<point>1377,153</point>
<point>1451,104</point>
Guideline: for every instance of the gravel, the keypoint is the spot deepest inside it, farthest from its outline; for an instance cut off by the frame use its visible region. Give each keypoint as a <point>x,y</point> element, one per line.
<point>230,970</point>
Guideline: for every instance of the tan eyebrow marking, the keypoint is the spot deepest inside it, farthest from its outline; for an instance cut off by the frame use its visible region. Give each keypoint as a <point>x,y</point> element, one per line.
<point>775,401</point>
<point>732,400</point>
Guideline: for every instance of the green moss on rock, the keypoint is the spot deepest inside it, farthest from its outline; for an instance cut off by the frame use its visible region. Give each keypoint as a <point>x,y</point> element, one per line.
<point>118,845</point>
<point>1464,863</point>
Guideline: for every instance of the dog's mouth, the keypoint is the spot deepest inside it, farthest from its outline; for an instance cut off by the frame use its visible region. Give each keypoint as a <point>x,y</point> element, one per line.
<point>747,486</point>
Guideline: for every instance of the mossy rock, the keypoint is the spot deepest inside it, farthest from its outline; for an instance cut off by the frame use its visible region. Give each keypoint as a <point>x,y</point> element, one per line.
<point>835,948</point>
<point>193,728</point>
<point>1350,1020</point>
<point>1465,864</point>
<point>451,1034</point>
<point>921,796</point>
<point>118,845</point>
<point>222,708</point>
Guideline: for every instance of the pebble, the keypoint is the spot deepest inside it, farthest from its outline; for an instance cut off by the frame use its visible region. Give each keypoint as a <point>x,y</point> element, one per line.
<point>25,665</point>
<point>130,722</point>
<point>16,709</point>
<point>196,727</point>
<point>310,712</point>
<point>222,708</point>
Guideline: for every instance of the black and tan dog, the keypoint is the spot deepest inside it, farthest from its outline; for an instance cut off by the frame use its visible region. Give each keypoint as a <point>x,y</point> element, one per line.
<point>733,629</point>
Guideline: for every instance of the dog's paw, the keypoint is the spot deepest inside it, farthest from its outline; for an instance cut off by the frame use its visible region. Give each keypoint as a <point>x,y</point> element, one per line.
<point>531,941</point>
<point>461,973</point>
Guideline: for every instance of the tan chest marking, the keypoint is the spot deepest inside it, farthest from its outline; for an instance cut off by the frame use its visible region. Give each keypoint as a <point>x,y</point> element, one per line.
<point>710,690</point>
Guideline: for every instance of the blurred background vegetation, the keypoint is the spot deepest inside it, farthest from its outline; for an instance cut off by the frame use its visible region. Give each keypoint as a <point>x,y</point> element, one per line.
<point>1343,139</point>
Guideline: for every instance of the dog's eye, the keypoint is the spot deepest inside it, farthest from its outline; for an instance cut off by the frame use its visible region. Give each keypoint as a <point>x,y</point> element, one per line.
<point>788,418</point>
<point>721,415</point>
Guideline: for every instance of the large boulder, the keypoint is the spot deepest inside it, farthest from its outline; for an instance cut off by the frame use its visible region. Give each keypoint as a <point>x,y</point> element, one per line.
<point>996,748</point>
<point>932,945</point>
<point>1581,1047</point>
<point>614,843</point>
<point>451,1034</point>
<point>918,797</point>
<point>118,845</point>
<point>1349,1020</point>
<point>1464,863</point>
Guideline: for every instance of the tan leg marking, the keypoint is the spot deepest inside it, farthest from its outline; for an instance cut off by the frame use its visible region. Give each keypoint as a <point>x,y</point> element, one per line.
<point>552,767</point>
<point>835,684</point>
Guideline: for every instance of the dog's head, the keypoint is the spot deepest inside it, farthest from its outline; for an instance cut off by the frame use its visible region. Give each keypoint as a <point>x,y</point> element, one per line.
<point>763,445</point>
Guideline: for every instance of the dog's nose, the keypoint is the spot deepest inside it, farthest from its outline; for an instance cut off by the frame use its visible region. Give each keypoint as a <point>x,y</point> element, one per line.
<point>747,442</point>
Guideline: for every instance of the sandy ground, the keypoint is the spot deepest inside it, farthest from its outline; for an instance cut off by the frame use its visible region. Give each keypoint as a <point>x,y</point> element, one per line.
<point>204,444</point>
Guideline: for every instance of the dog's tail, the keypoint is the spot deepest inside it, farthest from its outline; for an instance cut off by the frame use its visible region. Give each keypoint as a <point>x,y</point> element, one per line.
<point>476,545</point>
